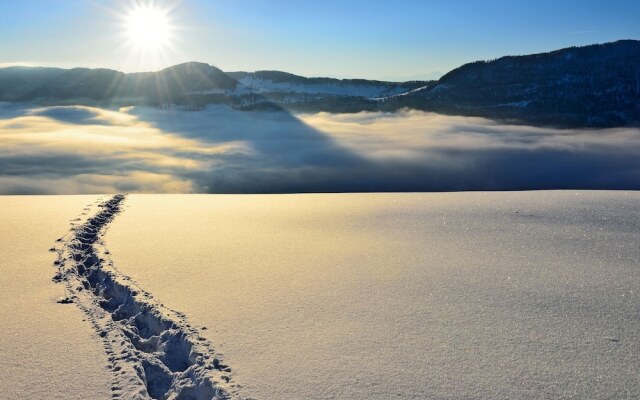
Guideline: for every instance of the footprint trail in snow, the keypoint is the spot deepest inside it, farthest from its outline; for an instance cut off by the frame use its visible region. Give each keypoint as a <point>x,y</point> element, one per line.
<point>153,352</point>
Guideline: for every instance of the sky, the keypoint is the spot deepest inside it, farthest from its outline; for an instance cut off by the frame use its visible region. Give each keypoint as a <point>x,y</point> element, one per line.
<point>387,40</point>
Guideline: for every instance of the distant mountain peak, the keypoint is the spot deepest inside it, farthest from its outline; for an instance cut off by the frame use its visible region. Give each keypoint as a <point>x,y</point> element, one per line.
<point>191,66</point>
<point>596,85</point>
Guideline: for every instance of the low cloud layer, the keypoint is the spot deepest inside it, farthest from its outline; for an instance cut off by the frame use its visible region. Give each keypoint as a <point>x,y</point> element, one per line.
<point>77,149</point>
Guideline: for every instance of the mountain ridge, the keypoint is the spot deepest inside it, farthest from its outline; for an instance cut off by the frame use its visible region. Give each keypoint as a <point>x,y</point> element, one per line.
<point>593,86</point>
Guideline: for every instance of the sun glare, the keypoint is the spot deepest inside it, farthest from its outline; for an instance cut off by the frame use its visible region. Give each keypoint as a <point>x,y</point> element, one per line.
<point>148,28</point>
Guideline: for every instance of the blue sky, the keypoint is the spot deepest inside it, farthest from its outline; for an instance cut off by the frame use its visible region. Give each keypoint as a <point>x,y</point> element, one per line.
<point>400,39</point>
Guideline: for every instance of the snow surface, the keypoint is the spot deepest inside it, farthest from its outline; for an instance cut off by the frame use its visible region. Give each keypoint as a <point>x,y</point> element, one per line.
<point>376,296</point>
<point>152,350</point>
<point>252,84</point>
<point>405,93</point>
<point>46,350</point>
<point>349,296</point>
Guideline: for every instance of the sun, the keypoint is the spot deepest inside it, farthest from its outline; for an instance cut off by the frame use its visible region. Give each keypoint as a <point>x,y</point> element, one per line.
<point>147,33</point>
<point>148,27</point>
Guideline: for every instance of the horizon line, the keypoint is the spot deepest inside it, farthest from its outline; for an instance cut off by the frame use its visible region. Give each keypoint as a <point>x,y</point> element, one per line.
<point>14,64</point>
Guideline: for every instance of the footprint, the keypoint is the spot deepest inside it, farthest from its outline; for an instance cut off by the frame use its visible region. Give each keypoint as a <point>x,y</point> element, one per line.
<point>160,354</point>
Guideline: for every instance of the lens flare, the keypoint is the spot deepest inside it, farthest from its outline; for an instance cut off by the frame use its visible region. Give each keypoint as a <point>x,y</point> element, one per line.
<point>148,27</point>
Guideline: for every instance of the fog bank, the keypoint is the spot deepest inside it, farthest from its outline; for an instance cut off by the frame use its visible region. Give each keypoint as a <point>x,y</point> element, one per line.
<point>78,149</point>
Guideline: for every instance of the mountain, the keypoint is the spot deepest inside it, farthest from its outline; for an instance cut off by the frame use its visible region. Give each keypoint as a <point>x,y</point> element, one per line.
<point>591,86</point>
<point>174,84</point>
<point>597,85</point>
<point>51,85</point>
<point>268,88</point>
<point>283,82</point>
<point>19,83</point>
<point>80,83</point>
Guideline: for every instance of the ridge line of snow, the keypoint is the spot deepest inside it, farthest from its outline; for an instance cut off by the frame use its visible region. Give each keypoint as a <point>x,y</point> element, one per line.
<point>153,352</point>
<point>401,94</point>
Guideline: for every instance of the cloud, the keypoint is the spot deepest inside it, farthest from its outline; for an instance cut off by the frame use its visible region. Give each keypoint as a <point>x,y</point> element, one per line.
<point>89,150</point>
<point>77,149</point>
<point>413,150</point>
<point>77,115</point>
<point>16,64</point>
<point>134,182</point>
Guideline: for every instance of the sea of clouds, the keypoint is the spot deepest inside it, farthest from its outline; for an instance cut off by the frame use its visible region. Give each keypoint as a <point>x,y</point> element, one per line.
<point>79,149</point>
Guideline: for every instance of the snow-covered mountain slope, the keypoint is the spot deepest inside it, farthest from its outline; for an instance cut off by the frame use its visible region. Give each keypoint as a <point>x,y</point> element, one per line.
<point>276,82</point>
<point>254,83</point>
<point>403,93</point>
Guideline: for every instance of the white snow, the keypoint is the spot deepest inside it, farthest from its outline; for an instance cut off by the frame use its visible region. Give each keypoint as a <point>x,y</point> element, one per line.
<point>518,104</point>
<point>349,296</point>
<point>153,352</point>
<point>47,351</point>
<point>392,95</point>
<point>371,296</point>
<point>252,84</point>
